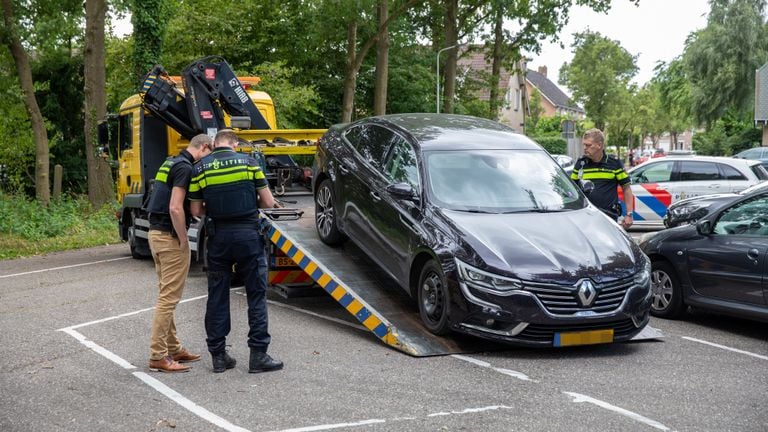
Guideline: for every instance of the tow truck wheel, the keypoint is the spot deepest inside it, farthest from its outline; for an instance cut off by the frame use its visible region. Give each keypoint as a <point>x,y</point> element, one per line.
<point>139,247</point>
<point>434,299</point>
<point>325,215</point>
<point>667,295</point>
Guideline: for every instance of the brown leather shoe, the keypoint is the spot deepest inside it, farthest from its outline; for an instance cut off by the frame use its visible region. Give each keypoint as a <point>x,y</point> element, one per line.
<point>185,356</point>
<point>167,364</point>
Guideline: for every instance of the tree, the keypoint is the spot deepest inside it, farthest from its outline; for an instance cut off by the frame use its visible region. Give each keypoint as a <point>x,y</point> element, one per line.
<point>673,89</point>
<point>533,21</point>
<point>149,19</point>
<point>355,56</point>
<point>722,58</point>
<point>382,62</point>
<point>95,106</point>
<point>598,74</point>
<point>13,42</point>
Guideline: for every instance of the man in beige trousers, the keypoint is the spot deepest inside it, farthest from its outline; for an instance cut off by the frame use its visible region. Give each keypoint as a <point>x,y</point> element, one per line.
<point>170,251</point>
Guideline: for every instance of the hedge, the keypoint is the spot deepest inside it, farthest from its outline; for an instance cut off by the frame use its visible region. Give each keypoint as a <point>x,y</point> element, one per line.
<point>554,145</point>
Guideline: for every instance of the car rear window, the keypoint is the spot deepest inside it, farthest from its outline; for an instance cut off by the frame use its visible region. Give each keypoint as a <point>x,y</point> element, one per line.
<point>760,172</point>
<point>697,171</point>
<point>732,173</point>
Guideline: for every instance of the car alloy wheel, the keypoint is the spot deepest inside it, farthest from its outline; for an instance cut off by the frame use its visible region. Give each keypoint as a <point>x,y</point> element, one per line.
<point>325,215</point>
<point>667,297</point>
<point>434,299</point>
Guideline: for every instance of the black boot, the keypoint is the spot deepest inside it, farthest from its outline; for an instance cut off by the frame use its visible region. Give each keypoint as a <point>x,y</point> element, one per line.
<point>222,361</point>
<point>262,362</point>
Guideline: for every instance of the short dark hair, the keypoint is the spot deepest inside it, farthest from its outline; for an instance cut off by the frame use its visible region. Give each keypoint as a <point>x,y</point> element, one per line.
<point>227,137</point>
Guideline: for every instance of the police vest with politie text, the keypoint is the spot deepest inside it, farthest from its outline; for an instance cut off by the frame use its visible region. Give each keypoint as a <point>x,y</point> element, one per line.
<point>228,182</point>
<point>605,175</point>
<point>160,196</point>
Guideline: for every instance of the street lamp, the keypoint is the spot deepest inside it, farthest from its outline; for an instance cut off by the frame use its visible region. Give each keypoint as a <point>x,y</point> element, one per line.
<point>437,73</point>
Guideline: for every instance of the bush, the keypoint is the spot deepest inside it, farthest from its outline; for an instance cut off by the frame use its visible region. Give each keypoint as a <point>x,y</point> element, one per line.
<point>554,145</point>
<point>27,227</point>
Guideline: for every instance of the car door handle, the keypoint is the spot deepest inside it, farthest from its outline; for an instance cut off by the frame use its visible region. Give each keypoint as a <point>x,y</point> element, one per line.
<point>343,168</point>
<point>753,254</point>
<point>375,196</point>
<point>714,186</point>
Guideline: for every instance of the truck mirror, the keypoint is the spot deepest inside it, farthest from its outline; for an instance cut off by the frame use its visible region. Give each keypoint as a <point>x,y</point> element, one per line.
<point>103,133</point>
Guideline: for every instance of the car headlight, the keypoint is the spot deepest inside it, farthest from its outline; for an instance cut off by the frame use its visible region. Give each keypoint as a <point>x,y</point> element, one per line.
<point>644,276</point>
<point>682,211</point>
<point>485,281</point>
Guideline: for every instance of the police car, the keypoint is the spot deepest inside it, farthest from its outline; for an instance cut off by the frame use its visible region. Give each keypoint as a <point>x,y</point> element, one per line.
<point>659,182</point>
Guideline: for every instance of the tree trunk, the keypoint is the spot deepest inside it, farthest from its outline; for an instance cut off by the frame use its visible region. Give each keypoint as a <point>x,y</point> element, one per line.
<point>99,173</point>
<point>350,78</point>
<point>498,42</point>
<point>355,60</point>
<point>451,39</point>
<point>382,63</point>
<point>42,152</point>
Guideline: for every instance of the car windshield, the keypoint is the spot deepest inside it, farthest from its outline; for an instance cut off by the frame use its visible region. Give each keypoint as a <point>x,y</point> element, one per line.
<point>500,181</point>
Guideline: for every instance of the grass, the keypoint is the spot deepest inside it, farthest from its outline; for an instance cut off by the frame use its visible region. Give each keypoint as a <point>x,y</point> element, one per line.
<point>27,228</point>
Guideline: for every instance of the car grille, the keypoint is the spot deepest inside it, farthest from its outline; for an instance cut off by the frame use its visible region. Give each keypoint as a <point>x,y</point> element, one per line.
<point>546,333</point>
<point>563,300</point>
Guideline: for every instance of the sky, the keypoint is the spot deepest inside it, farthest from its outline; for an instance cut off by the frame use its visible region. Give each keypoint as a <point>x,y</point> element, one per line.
<point>655,30</point>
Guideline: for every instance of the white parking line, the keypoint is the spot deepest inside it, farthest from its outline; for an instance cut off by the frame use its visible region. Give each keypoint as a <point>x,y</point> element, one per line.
<point>513,374</point>
<point>63,267</point>
<point>762,357</point>
<point>379,421</point>
<point>578,398</point>
<point>188,404</point>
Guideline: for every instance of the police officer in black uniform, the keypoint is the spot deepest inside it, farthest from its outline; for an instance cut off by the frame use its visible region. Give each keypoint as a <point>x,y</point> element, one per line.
<point>606,173</point>
<point>228,187</point>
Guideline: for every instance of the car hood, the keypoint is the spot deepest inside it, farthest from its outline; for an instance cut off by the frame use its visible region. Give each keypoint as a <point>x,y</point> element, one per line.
<point>558,247</point>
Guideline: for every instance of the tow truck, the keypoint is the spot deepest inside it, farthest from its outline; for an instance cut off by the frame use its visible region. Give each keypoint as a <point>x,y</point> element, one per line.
<point>160,120</point>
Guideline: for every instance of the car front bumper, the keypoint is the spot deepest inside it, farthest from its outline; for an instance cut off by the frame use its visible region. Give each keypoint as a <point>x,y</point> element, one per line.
<point>522,318</point>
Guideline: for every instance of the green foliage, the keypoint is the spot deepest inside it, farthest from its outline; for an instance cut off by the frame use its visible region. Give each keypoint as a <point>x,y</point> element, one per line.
<point>17,148</point>
<point>727,137</point>
<point>598,74</point>
<point>27,227</point>
<point>295,105</point>
<point>149,19</point>
<point>546,127</point>
<point>59,78</point>
<point>554,145</point>
<point>721,59</point>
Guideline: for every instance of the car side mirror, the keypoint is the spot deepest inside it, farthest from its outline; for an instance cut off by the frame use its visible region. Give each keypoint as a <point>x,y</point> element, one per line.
<point>402,191</point>
<point>704,227</point>
<point>587,186</point>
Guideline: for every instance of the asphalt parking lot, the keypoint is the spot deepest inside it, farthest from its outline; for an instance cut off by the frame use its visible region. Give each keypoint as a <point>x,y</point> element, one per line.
<point>75,329</point>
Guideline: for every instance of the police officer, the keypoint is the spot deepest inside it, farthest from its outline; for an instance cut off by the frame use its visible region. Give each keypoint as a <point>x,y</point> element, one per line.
<point>605,172</point>
<point>229,187</point>
<point>170,251</point>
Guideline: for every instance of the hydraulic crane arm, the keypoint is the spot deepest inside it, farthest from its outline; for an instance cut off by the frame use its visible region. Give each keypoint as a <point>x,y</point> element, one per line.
<point>210,89</point>
<point>211,86</point>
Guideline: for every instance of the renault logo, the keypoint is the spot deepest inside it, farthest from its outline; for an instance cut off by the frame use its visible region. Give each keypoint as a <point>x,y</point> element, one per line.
<point>586,292</point>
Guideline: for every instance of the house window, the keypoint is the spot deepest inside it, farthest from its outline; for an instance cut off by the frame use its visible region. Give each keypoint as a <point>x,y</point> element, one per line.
<point>517,99</point>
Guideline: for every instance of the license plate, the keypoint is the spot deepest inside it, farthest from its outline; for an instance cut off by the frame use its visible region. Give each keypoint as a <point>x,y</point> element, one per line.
<point>283,262</point>
<point>583,338</point>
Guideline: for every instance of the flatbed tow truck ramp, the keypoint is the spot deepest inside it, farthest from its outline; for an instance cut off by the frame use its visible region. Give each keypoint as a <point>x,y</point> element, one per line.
<point>365,292</point>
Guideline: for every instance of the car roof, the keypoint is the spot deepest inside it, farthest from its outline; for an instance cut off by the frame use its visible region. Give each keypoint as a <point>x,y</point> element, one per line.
<point>451,131</point>
<point>741,163</point>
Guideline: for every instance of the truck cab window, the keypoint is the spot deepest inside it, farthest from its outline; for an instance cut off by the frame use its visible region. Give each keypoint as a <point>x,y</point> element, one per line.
<point>125,135</point>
